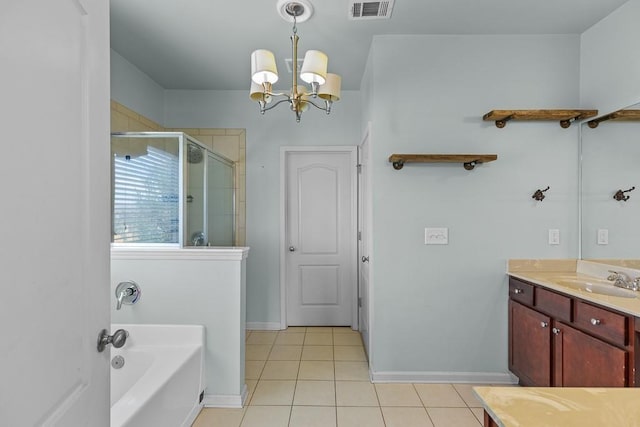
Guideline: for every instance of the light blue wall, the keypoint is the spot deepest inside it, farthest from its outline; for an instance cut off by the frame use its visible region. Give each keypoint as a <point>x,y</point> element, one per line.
<point>136,90</point>
<point>444,308</point>
<point>610,63</point>
<point>264,137</point>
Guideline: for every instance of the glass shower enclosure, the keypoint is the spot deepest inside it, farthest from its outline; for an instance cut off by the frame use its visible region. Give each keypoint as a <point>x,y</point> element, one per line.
<point>169,188</point>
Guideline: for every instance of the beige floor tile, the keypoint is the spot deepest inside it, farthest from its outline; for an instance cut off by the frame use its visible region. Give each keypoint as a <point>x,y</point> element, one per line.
<point>253,369</point>
<point>285,352</point>
<point>319,329</point>
<point>466,392</point>
<point>349,352</point>
<point>345,330</point>
<point>290,339</point>
<point>359,417</point>
<point>219,417</point>
<point>397,395</point>
<point>356,393</point>
<point>294,330</point>
<point>313,416</point>
<point>280,370</point>
<point>251,388</point>
<point>453,417</point>
<point>347,339</point>
<point>479,414</point>
<point>439,396</point>
<point>316,370</point>
<point>317,352</point>
<point>318,339</point>
<point>352,371</point>
<point>262,337</point>
<point>406,417</point>
<point>257,351</point>
<point>266,416</point>
<point>273,393</point>
<point>315,393</point>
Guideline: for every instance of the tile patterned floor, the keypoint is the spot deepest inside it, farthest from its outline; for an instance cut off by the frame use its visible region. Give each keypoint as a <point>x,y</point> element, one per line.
<point>308,377</point>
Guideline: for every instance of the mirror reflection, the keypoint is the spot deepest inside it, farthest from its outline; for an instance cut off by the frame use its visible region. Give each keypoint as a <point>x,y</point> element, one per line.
<point>611,186</point>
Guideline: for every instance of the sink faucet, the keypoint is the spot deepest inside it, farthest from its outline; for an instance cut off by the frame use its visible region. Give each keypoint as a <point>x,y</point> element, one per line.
<point>622,280</point>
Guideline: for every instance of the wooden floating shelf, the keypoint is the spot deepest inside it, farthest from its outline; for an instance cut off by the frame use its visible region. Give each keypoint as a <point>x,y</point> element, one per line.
<point>619,116</point>
<point>565,117</point>
<point>469,161</point>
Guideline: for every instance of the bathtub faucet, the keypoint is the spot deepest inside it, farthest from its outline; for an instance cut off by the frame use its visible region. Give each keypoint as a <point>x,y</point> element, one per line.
<point>127,293</point>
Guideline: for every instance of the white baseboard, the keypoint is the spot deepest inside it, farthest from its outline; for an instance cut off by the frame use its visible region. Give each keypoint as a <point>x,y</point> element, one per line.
<point>193,414</point>
<point>263,326</point>
<point>443,377</point>
<point>226,400</point>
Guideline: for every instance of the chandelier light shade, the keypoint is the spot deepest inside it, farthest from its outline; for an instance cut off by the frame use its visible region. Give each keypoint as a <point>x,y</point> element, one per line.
<point>264,73</point>
<point>263,67</point>
<point>314,67</point>
<point>330,90</point>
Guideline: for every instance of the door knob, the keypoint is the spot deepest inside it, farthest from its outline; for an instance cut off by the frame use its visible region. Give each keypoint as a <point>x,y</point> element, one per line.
<point>544,324</point>
<point>292,249</point>
<point>118,339</point>
<point>365,259</point>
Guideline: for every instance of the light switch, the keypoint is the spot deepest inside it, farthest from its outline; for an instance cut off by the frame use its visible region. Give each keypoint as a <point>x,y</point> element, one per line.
<point>436,236</point>
<point>603,236</point>
<point>554,236</point>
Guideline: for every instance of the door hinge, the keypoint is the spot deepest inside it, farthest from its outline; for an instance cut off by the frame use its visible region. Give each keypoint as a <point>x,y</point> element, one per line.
<point>359,167</point>
<point>359,235</point>
<point>359,302</point>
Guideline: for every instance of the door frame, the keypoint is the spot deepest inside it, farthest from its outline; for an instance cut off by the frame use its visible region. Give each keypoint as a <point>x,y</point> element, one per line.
<point>284,152</point>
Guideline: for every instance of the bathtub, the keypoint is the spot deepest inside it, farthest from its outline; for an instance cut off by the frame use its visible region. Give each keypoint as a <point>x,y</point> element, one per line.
<point>162,380</point>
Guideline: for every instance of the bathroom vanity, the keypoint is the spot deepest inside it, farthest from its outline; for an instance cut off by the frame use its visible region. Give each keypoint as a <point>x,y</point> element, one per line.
<point>570,329</point>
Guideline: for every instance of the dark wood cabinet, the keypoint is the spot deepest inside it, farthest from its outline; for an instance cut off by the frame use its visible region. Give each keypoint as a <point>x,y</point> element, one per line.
<point>560,340</point>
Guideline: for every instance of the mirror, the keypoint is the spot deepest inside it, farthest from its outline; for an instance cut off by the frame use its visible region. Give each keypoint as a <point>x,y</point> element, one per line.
<point>611,187</point>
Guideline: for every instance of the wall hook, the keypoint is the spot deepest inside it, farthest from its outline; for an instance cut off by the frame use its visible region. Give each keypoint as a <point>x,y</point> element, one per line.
<point>619,196</point>
<point>539,194</point>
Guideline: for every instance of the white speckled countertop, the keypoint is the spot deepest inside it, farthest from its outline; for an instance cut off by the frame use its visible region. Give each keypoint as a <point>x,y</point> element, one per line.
<point>550,274</point>
<point>561,407</point>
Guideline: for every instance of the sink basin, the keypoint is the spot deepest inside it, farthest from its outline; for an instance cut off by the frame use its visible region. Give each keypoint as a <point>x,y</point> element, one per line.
<point>597,287</point>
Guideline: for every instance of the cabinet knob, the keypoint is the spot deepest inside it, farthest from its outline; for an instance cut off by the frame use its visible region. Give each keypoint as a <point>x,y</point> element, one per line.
<point>555,331</point>
<point>544,324</point>
<point>518,291</point>
<point>595,322</point>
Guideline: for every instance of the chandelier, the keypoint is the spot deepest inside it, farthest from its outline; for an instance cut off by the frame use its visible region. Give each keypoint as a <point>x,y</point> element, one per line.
<point>264,73</point>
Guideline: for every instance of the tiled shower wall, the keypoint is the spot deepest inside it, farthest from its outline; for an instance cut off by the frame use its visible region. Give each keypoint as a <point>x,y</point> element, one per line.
<point>231,143</point>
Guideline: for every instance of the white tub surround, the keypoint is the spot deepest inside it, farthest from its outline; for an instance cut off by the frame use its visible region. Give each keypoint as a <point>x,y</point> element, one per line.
<point>205,286</point>
<point>160,376</point>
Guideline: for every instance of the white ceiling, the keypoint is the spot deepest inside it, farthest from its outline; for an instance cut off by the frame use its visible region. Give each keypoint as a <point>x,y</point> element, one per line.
<point>206,44</point>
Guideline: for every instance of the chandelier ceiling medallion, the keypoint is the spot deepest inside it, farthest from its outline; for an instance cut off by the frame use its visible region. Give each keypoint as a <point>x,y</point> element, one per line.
<point>264,73</point>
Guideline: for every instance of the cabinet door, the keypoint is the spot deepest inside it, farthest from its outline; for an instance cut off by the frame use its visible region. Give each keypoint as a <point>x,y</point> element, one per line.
<point>529,345</point>
<point>581,360</point>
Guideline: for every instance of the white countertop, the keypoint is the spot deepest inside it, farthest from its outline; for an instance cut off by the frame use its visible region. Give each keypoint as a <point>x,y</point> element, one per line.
<point>561,407</point>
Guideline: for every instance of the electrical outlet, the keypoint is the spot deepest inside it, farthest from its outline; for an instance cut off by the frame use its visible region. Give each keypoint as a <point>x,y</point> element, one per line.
<point>436,236</point>
<point>603,236</point>
<point>554,236</point>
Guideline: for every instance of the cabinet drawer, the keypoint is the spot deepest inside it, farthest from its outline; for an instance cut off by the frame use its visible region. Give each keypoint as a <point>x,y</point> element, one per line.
<point>556,305</point>
<point>601,322</point>
<point>521,291</point>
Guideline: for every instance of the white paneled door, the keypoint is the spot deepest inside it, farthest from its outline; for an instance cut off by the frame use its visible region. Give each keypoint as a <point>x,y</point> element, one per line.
<point>54,221</point>
<point>364,233</point>
<point>320,236</point>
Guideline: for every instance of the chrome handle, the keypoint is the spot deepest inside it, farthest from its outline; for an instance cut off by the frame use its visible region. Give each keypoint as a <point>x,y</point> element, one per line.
<point>555,331</point>
<point>595,322</point>
<point>365,259</point>
<point>544,324</point>
<point>518,291</point>
<point>118,339</point>
<point>292,249</point>
<point>127,293</point>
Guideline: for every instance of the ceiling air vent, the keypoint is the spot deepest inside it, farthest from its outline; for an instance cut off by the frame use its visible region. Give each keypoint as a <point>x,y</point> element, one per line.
<point>370,9</point>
